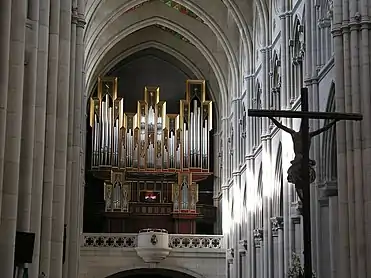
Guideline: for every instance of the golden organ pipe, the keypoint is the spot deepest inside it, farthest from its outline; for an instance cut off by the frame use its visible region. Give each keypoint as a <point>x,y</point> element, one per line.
<point>147,140</point>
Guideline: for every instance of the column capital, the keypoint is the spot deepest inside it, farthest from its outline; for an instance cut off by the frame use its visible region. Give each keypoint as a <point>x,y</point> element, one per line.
<point>328,188</point>
<point>78,18</point>
<point>230,255</point>
<point>242,246</point>
<point>277,224</point>
<point>258,237</point>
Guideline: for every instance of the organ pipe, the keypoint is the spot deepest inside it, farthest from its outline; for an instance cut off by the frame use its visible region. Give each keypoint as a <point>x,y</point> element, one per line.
<point>150,139</point>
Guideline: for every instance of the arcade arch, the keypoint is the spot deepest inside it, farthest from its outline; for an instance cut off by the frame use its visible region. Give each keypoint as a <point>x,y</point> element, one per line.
<point>155,273</point>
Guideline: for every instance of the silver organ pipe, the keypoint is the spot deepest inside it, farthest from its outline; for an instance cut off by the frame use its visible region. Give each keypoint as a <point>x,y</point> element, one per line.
<point>158,143</point>
<point>165,149</point>
<point>205,140</point>
<point>199,137</point>
<point>194,134</point>
<point>178,143</point>
<point>135,143</point>
<point>150,138</point>
<point>109,137</point>
<point>105,133</point>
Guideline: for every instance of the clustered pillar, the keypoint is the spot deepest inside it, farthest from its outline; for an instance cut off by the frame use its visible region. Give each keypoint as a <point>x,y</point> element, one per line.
<point>41,122</point>
<point>352,70</point>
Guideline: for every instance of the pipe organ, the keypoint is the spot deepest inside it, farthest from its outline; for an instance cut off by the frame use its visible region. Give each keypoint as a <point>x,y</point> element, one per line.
<point>151,139</point>
<point>151,161</point>
<point>106,117</point>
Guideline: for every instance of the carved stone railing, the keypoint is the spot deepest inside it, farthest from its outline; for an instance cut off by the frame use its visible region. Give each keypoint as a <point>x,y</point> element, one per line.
<point>176,241</point>
<point>195,241</point>
<point>110,240</point>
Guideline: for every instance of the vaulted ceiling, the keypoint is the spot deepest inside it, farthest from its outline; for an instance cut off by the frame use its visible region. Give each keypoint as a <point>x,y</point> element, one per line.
<point>208,37</point>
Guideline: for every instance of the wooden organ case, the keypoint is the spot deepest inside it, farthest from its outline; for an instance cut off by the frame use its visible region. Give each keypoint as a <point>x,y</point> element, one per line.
<point>152,163</point>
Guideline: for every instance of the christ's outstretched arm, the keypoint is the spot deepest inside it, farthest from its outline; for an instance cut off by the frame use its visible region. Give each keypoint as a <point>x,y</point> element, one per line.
<point>323,129</point>
<point>281,126</point>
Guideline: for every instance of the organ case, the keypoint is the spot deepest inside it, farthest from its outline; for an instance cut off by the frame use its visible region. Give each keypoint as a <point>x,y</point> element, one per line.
<point>150,148</point>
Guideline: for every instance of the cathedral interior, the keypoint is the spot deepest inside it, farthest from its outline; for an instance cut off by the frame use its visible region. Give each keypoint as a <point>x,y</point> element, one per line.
<point>129,146</point>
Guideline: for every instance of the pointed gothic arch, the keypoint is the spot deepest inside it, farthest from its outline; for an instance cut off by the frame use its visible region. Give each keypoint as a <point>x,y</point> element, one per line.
<point>155,273</point>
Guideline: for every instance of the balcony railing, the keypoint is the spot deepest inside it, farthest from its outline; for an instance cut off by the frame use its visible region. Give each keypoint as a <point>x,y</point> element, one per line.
<point>176,241</point>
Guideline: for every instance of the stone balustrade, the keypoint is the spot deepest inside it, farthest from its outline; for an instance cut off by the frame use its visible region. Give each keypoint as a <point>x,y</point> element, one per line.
<point>176,241</point>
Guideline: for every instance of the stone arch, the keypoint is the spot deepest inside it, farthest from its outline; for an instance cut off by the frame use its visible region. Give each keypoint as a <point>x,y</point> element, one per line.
<point>173,26</point>
<point>329,150</point>
<point>278,184</point>
<point>214,29</point>
<point>235,8</point>
<point>164,272</point>
<point>198,73</point>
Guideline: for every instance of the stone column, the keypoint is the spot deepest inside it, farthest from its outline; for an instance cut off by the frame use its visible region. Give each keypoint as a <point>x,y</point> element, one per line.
<point>258,246</point>
<point>5,19</point>
<point>12,138</point>
<point>312,40</point>
<point>297,234</point>
<point>334,236</point>
<point>267,166</point>
<point>70,155</point>
<point>236,104</point>
<point>49,159</point>
<point>250,220</point>
<point>39,137</point>
<point>277,231</point>
<point>287,148</point>
<point>84,112</point>
<point>61,140</point>
<point>352,71</point>
<point>75,219</point>
<point>225,153</point>
<point>28,122</point>
<point>28,119</point>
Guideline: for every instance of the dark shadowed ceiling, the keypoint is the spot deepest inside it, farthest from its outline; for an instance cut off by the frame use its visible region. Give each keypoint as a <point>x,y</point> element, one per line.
<point>151,67</point>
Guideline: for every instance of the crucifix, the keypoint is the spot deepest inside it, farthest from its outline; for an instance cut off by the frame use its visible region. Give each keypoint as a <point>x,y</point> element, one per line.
<point>301,172</point>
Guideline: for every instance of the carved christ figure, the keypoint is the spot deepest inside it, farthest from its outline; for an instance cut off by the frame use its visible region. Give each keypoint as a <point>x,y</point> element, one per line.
<point>294,172</point>
<point>296,136</point>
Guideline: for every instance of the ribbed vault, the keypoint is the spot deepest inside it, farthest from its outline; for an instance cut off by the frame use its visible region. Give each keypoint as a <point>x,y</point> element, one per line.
<point>218,38</point>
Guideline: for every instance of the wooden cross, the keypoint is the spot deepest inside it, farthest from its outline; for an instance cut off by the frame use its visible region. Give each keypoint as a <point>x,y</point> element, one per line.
<point>301,172</point>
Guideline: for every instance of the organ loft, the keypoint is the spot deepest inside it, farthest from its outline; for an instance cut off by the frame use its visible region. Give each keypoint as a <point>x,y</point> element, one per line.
<point>148,168</point>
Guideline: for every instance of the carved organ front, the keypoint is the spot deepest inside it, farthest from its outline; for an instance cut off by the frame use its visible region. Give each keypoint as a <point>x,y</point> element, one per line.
<point>151,162</point>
